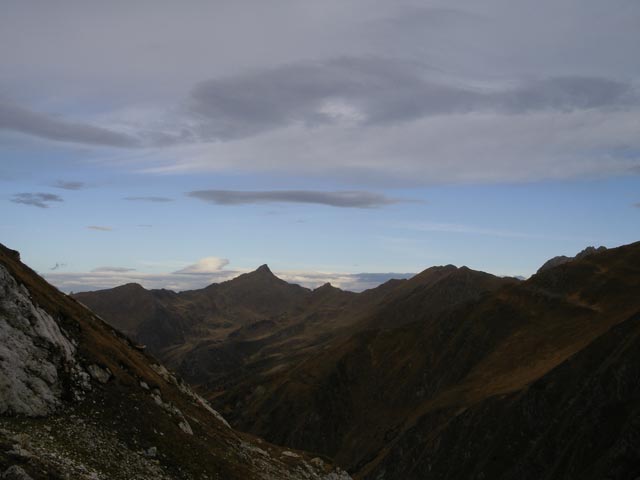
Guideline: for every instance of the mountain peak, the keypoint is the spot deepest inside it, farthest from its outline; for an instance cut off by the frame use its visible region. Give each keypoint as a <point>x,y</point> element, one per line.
<point>555,261</point>
<point>264,269</point>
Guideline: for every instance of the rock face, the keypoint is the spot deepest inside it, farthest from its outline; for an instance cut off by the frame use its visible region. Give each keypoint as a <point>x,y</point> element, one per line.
<point>33,349</point>
<point>105,410</point>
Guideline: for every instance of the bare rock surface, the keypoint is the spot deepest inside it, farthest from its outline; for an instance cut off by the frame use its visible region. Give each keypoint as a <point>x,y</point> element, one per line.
<point>32,349</point>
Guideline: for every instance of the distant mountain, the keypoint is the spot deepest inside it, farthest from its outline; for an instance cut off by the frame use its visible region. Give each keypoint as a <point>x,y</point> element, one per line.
<point>219,335</point>
<point>79,401</point>
<point>555,261</point>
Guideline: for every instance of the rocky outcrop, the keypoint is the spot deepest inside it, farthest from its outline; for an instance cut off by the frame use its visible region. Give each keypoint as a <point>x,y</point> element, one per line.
<point>33,353</point>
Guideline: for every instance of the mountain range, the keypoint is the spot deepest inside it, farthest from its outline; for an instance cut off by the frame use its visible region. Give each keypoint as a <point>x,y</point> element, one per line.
<point>451,374</point>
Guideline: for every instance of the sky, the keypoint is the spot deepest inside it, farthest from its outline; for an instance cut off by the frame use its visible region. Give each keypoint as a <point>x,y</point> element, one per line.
<point>175,144</point>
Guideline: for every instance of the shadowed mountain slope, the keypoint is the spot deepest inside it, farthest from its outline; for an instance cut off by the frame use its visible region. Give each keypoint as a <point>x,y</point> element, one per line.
<point>370,398</point>
<point>220,334</point>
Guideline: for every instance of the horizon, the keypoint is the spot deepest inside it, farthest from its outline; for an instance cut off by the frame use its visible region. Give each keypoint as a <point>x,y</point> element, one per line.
<point>74,282</point>
<point>341,142</point>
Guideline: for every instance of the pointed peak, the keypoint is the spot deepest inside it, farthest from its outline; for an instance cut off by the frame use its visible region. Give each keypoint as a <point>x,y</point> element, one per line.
<point>264,269</point>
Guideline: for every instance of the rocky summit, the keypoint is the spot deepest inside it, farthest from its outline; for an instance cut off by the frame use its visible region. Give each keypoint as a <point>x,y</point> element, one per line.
<point>78,400</point>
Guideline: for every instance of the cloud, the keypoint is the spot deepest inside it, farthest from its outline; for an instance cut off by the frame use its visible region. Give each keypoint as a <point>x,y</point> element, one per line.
<point>379,91</point>
<point>457,148</point>
<point>69,185</point>
<point>396,95</point>
<point>112,270</point>
<point>204,266</point>
<point>41,200</point>
<point>99,228</point>
<point>23,120</point>
<point>344,199</point>
<point>149,199</point>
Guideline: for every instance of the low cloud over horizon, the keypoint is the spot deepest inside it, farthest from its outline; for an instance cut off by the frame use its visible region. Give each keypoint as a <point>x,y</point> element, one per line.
<point>191,278</point>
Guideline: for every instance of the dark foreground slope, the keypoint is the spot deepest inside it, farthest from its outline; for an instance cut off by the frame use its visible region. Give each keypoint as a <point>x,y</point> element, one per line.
<point>77,401</point>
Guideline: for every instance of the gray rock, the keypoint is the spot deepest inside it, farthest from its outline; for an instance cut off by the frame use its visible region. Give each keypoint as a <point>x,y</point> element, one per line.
<point>32,350</point>
<point>15,473</point>
<point>99,374</point>
<point>151,452</point>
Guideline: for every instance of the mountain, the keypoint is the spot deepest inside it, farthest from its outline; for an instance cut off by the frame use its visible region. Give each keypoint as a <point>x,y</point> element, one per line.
<point>555,261</point>
<point>226,333</point>
<point>79,400</point>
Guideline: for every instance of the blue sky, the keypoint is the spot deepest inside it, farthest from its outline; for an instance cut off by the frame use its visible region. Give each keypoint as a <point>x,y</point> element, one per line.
<point>325,140</point>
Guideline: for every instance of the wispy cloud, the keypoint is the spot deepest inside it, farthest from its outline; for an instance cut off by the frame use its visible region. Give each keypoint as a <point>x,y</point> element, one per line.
<point>99,228</point>
<point>344,199</point>
<point>149,199</point>
<point>112,270</point>
<point>204,266</point>
<point>69,185</point>
<point>23,120</point>
<point>40,200</point>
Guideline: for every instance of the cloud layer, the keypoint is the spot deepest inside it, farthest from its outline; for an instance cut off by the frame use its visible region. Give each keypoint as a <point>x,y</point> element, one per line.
<point>380,91</point>
<point>344,199</point>
<point>360,94</point>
